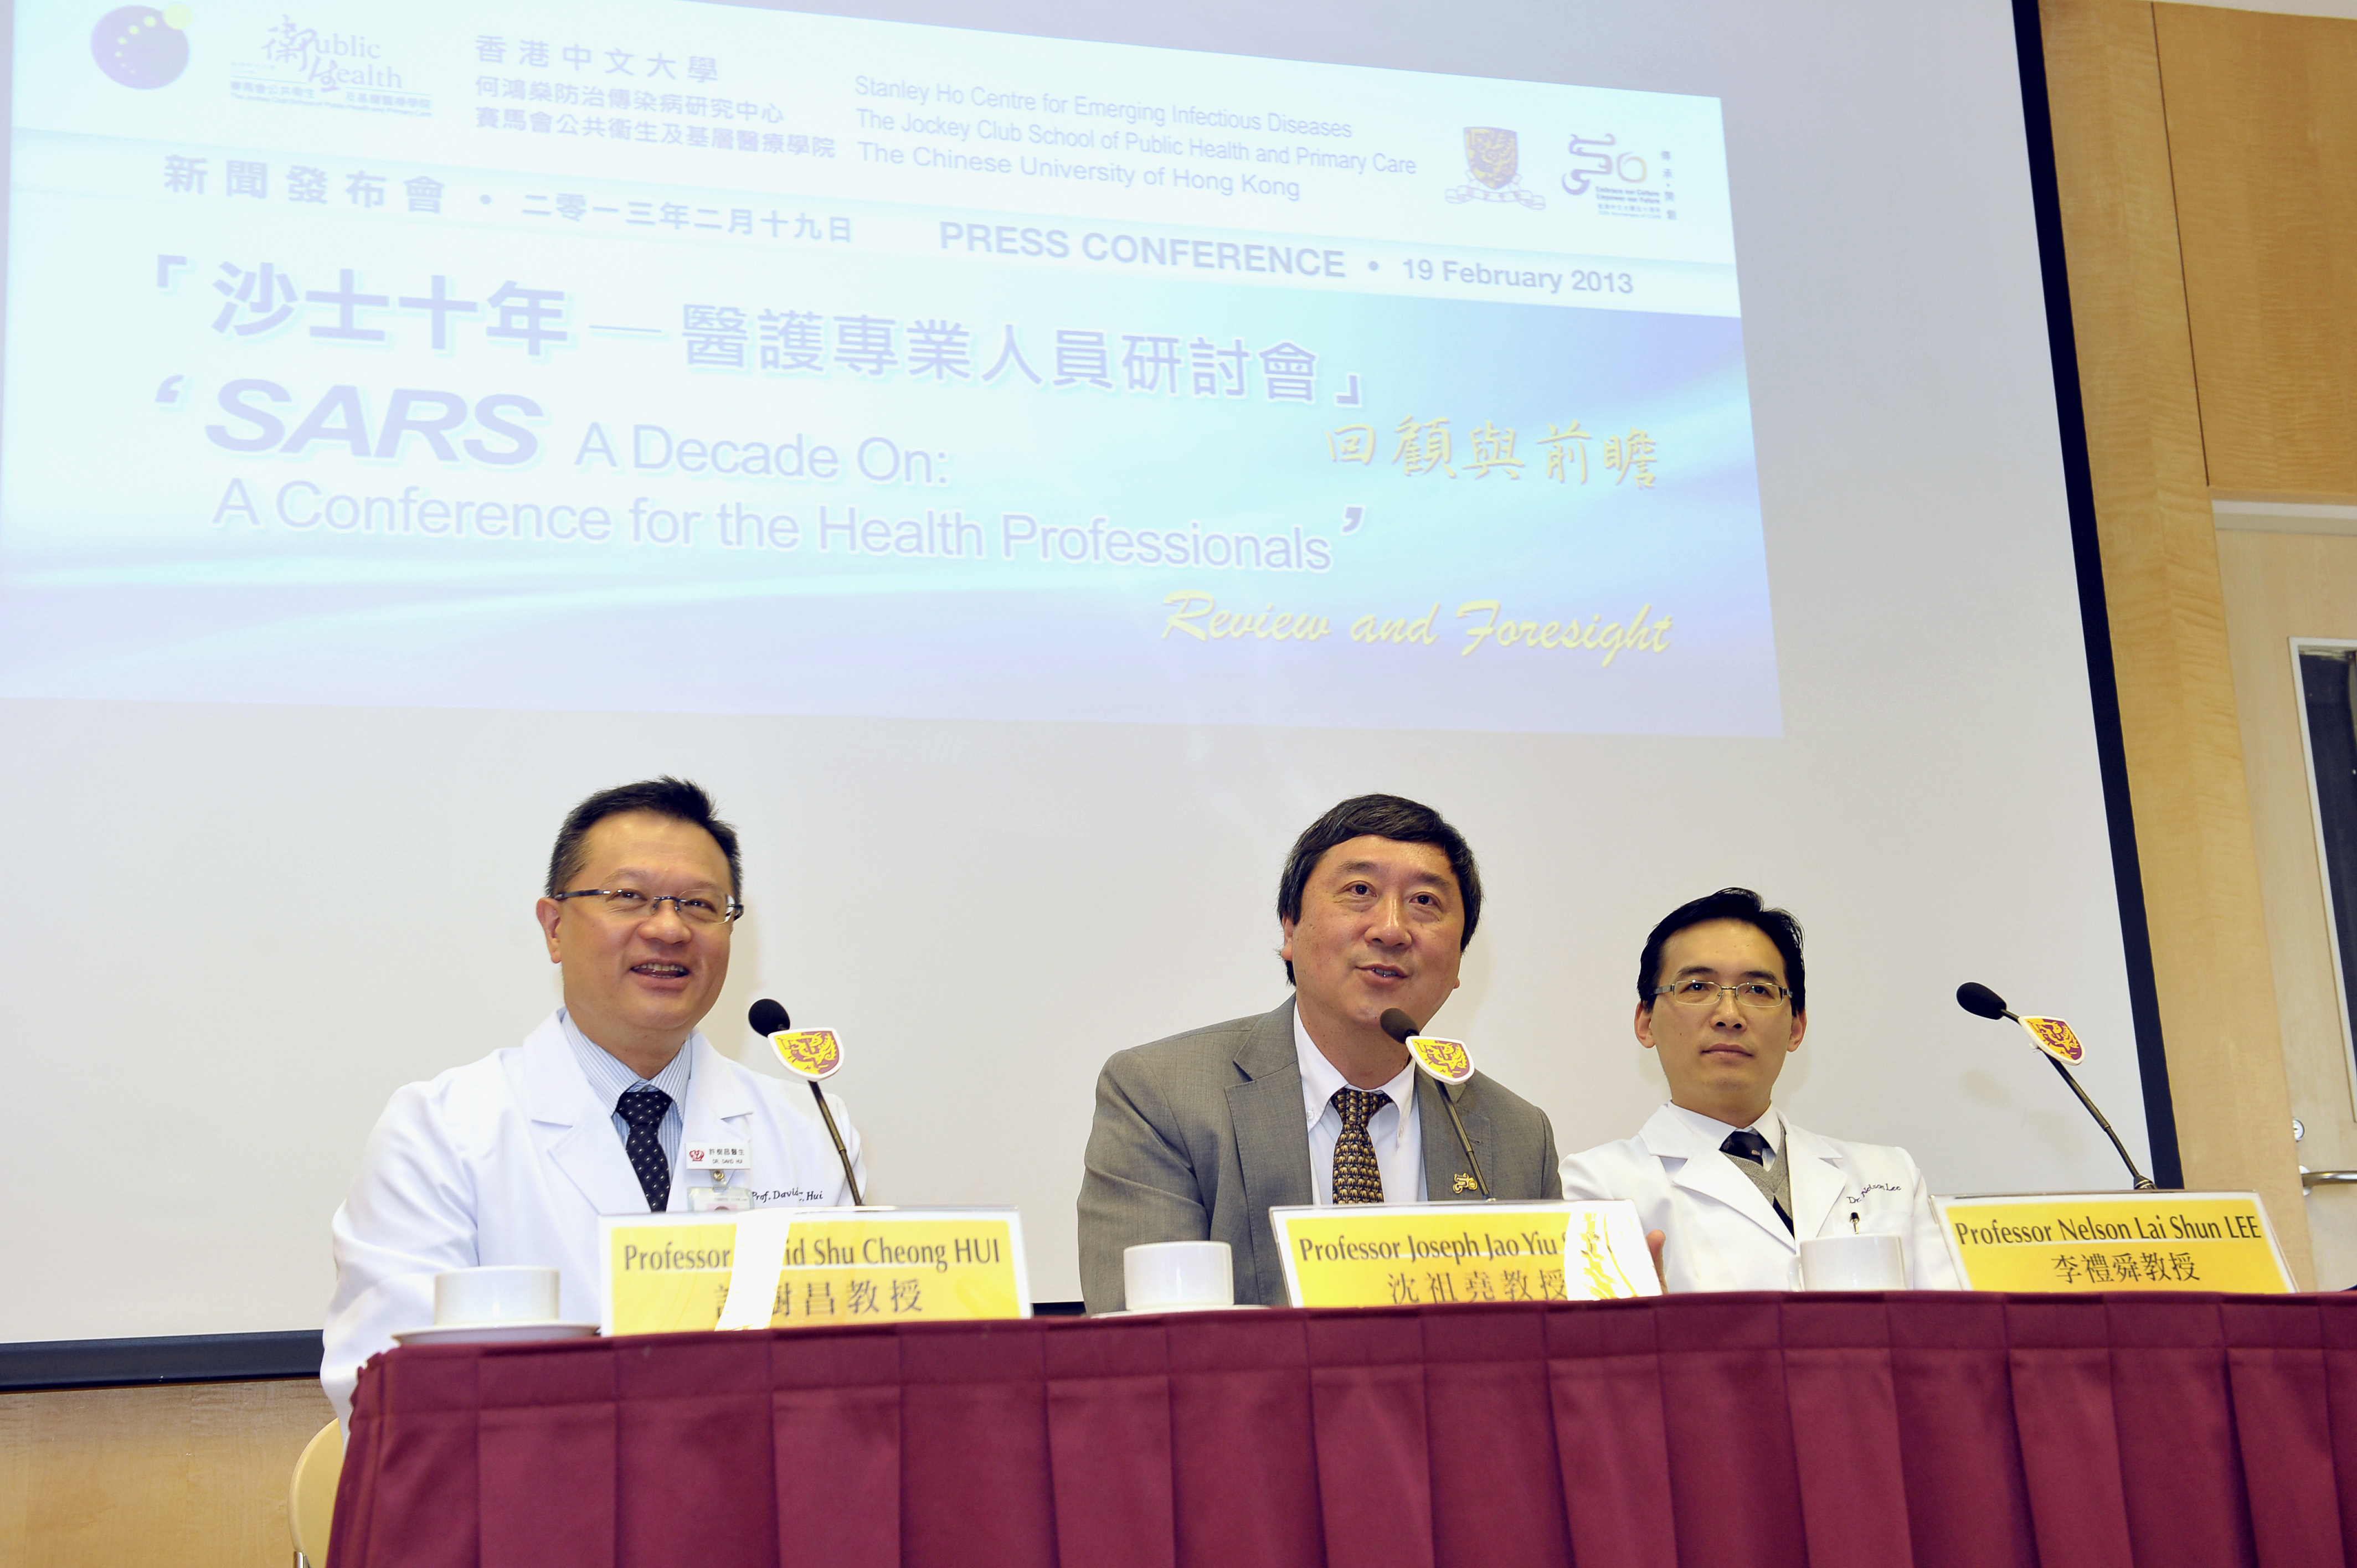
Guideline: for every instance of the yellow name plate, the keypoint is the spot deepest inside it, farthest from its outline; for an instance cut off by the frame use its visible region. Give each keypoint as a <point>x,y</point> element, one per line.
<point>2116,1240</point>
<point>778,1268</point>
<point>1423,1255</point>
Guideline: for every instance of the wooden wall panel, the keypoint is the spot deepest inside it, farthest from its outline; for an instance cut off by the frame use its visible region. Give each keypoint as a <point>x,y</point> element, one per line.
<point>194,1475</point>
<point>2278,586</point>
<point>2179,727</point>
<point>2262,112</point>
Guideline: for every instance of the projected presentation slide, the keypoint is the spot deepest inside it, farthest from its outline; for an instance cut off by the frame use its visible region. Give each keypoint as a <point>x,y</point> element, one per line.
<point>692,357</point>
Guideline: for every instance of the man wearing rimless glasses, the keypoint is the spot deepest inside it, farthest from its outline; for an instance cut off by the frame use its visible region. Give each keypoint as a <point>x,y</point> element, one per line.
<point>512,1159</point>
<point>1730,1181</point>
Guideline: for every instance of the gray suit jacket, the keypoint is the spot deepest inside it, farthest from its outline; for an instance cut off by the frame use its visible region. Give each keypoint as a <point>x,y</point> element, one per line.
<point>1198,1135</point>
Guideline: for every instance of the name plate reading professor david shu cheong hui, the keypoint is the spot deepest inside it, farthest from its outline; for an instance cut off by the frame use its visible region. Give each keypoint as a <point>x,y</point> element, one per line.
<point>783,1268</point>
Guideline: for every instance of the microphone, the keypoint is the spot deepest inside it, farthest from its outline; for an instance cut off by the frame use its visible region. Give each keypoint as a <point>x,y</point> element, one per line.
<point>768,1019</point>
<point>1401,1027</point>
<point>1972,996</point>
<point>1982,1003</point>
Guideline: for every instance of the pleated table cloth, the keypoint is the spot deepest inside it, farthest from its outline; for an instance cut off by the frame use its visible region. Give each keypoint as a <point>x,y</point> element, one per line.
<point>1862,1431</point>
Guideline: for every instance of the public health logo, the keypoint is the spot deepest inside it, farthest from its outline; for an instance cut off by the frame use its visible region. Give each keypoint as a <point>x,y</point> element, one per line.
<point>139,46</point>
<point>1493,158</point>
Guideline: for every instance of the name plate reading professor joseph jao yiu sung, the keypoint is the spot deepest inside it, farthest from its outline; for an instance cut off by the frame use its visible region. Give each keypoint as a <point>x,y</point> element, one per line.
<point>784,1268</point>
<point>2116,1240</point>
<point>1417,1254</point>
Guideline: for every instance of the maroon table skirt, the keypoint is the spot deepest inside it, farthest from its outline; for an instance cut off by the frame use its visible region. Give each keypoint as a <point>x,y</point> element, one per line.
<point>1712,1431</point>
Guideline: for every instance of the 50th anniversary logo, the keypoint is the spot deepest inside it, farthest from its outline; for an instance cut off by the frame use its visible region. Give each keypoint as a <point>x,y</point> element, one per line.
<point>1625,183</point>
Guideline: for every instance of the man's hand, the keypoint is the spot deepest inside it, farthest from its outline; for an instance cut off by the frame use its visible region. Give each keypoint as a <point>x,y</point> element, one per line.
<point>1655,1241</point>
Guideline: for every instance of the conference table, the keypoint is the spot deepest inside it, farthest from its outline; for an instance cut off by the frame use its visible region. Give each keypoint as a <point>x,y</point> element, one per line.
<point>1866,1430</point>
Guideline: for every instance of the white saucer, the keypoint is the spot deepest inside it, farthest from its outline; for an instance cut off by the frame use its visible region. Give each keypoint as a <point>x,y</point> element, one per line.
<point>493,1333</point>
<point>1189,1306</point>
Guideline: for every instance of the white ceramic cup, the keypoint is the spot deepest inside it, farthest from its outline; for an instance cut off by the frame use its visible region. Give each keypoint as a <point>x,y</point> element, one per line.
<point>1853,1262</point>
<point>1170,1276</point>
<point>509,1294</point>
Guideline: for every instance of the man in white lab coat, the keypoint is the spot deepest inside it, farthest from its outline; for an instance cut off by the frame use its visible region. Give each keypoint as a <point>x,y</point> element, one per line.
<point>512,1158</point>
<point>1726,1183</point>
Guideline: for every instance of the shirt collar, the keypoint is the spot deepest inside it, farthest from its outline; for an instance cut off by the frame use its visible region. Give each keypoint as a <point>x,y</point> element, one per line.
<point>1320,1078</point>
<point>610,1080</point>
<point>1770,1126</point>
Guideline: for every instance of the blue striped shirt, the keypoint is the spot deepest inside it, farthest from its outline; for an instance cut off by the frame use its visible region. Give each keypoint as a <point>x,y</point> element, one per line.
<point>610,1081</point>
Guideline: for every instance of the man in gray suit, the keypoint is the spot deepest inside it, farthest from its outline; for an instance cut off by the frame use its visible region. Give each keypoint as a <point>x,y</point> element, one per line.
<point>1198,1135</point>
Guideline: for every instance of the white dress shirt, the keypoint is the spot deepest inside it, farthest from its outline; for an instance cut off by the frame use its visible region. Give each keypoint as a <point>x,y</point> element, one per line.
<point>1394,1129</point>
<point>1770,1126</point>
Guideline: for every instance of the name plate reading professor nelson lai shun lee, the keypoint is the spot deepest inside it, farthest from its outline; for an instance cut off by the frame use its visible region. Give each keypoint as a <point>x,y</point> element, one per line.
<point>787,1268</point>
<point>1423,1255</point>
<point>2116,1240</point>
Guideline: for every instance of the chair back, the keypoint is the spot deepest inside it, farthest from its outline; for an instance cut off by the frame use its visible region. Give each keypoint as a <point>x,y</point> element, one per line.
<point>311,1497</point>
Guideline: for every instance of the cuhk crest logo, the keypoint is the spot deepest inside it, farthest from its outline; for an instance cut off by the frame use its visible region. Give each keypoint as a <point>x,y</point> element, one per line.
<point>139,46</point>
<point>1447,1060</point>
<point>1493,160</point>
<point>2056,1039</point>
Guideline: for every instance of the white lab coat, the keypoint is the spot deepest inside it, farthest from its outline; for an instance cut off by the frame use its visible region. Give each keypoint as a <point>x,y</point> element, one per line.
<point>512,1158</point>
<point>1723,1234</point>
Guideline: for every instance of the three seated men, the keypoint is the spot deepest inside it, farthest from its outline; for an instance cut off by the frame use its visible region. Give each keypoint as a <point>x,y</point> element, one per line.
<point>512,1158</point>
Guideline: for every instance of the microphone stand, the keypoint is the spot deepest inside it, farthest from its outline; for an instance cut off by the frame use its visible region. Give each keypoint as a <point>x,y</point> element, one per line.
<point>1466,1144</point>
<point>2142,1182</point>
<point>1982,1003</point>
<point>1402,1028</point>
<point>844,1155</point>
<point>770,1020</point>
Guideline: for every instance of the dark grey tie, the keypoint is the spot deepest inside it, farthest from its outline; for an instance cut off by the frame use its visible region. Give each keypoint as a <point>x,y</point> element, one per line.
<point>1750,1150</point>
<point>644,1110</point>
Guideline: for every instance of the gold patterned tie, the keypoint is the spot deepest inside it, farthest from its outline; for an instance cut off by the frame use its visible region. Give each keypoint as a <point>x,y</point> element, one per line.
<point>1357,1177</point>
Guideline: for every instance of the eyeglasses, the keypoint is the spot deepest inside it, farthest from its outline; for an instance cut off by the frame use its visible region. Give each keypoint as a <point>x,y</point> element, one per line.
<point>629,904</point>
<point>1752,996</point>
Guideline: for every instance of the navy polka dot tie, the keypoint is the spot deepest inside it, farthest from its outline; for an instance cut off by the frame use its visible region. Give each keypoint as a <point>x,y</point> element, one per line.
<point>644,1110</point>
<point>1357,1177</point>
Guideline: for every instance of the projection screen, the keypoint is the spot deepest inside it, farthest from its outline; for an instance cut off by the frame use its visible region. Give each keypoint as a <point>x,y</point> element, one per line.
<point>1027,460</point>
